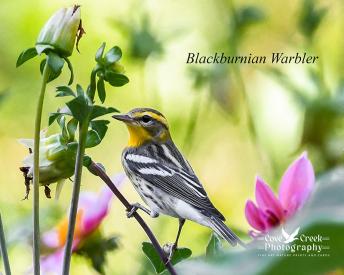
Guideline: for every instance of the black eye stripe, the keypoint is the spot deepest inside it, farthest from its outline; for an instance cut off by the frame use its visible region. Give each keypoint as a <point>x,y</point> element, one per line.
<point>150,119</point>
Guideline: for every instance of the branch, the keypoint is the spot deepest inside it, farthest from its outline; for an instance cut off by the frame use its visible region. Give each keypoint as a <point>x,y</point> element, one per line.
<point>98,171</point>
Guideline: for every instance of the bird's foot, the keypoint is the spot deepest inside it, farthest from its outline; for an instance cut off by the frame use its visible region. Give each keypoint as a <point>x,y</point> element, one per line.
<point>169,250</point>
<point>134,208</point>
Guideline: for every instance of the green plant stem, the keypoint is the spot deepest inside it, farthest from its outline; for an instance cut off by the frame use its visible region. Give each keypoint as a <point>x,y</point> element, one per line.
<point>192,123</point>
<point>3,250</point>
<point>36,234</point>
<point>248,111</point>
<point>83,127</point>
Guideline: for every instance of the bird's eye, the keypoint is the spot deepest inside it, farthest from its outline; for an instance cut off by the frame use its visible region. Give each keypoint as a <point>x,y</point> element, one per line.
<point>146,119</point>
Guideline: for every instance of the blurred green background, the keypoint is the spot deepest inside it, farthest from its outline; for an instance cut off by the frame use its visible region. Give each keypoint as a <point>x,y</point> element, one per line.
<point>232,122</point>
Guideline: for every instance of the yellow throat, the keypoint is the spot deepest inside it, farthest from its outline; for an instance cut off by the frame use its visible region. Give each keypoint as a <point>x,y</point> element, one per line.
<point>137,136</point>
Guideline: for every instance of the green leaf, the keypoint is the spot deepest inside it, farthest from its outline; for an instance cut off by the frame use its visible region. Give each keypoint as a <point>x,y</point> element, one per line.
<point>26,55</point>
<point>99,53</point>
<point>144,42</point>
<point>42,65</point>
<point>115,79</point>
<point>149,250</point>
<point>311,17</point>
<point>70,67</point>
<point>72,125</point>
<point>98,111</point>
<point>101,89</point>
<point>63,111</point>
<point>40,48</point>
<point>53,117</point>
<point>248,15</point>
<point>100,126</point>
<point>179,255</point>
<point>61,120</point>
<point>87,161</point>
<point>214,246</point>
<point>79,108</point>
<point>79,90</point>
<point>92,139</point>
<point>53,75</point>
<point>113,55</point>
<point>64,91</point>
<point>72,146</point>
<point>55,62</point>
<point>95,249</point>
<point>97,132</point>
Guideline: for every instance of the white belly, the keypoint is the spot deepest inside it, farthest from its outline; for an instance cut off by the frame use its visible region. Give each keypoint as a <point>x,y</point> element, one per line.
<point>162,203</point>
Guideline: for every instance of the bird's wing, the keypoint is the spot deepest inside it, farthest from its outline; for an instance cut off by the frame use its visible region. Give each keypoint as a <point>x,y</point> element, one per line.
<point>176,180</point>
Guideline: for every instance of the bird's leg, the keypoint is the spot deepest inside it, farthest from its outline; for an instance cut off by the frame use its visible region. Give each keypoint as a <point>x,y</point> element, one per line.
<point>181,224</point>
<point>136,206</point>
<point>175,245</point>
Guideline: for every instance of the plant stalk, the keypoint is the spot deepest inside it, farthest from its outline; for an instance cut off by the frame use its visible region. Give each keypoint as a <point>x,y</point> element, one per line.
<point>192,123</point>
<point>36,234</point>
<point>3,250</point>
<point>83,127</point>
<point>98,171</point>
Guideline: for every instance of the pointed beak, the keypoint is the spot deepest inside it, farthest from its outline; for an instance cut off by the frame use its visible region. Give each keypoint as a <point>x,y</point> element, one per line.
<point>125,118</point>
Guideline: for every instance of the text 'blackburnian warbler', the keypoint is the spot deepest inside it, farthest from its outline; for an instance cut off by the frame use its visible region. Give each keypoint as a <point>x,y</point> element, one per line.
<point>163,177</point>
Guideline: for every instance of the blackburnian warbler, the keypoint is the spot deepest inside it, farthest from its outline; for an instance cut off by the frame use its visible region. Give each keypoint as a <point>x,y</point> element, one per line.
<point>163,177</point>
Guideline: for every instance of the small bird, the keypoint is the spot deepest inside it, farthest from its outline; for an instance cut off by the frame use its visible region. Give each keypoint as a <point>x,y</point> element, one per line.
<point>163,177</point>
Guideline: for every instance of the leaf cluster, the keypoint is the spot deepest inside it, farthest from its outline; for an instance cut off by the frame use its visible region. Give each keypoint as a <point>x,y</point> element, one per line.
<point>108,70</point>
<point>53,60</point>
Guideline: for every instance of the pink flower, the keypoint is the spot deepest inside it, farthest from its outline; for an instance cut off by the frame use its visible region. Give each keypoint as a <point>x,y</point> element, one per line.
<point>296,185</point>
<point>92,209</point>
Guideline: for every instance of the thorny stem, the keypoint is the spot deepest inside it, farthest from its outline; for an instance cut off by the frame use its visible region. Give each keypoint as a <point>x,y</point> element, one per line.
<point>36,234</point>
<point>98,171</point>
<point>83,127</point>
<point>3,250</point>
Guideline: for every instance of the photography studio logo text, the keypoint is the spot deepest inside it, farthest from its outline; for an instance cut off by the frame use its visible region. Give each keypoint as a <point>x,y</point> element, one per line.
<point>294,244</point>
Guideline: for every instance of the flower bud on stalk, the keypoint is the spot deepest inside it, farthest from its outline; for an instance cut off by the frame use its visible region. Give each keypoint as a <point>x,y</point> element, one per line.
<point>56,161</point>
<point>61,31</point>
<point>56,40</point>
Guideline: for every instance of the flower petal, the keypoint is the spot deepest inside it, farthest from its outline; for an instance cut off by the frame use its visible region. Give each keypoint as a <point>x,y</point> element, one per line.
<point>52,264</point>
<point>95,208</point>
<point>51,239</point>
<point>254,216</point>
<point>267,200</point>
<point>28,143</point>
<point>297,184</point>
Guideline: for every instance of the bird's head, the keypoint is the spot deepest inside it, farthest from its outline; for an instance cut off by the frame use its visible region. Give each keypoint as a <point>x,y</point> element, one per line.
<point>145,124</point>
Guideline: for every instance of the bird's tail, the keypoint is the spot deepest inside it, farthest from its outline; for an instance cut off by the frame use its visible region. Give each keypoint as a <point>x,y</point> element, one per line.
<point>220,228</point>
